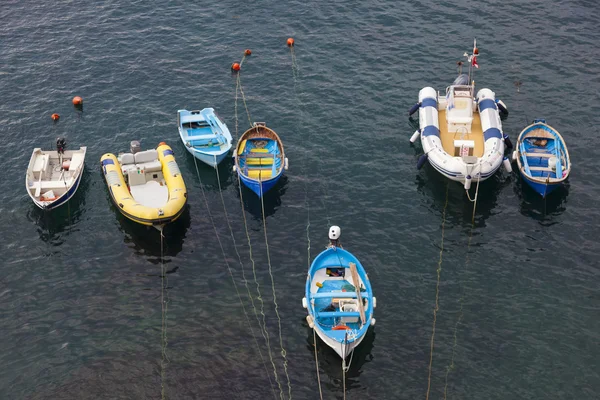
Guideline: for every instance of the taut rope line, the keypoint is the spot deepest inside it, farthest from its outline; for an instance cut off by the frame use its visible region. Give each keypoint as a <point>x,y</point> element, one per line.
<point>437,295</point>
<point>245,283</point>
<point>164,281</point>
<point>223,253</point>
<point>264,331</point>
<point>450,367</point>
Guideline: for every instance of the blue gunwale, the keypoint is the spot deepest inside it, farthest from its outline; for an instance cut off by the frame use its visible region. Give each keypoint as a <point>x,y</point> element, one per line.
<point>336,257</point>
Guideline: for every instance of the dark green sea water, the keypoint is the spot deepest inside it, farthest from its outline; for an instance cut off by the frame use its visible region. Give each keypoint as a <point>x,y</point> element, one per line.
<point>80,287</point>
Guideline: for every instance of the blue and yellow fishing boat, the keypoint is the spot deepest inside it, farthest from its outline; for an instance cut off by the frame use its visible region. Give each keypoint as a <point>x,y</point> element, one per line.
<point>339,298</point>
<point>542,157</point>
<point>259,158</point>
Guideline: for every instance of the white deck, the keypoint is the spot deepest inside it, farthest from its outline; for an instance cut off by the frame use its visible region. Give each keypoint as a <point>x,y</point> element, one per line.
<point>151,194</point>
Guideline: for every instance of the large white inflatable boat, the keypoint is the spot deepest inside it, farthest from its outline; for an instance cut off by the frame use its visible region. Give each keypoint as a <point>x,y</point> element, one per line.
<point>461,133</point>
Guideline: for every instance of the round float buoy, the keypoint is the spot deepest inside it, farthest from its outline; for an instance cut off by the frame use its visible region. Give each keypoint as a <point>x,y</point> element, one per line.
<point>304,303</point>
<point>236,66</point>
<point>290,42</point>
<point>77,101</point>
<point>514,155</point>
<point>55,117</point>
<point>468,182</point>
<point>475,51</point>
<point>415,136</point>
<point>421,161</point>
<point>372,321</point>
<point>501,106</point>
<point>247,52</point>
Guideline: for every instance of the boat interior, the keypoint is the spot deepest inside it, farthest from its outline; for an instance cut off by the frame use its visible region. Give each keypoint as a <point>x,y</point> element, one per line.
<point>335,301</point>
<point>543,154</point>
<point>201,134</point>
<point>259,157</point>
<point>143,173</point>
<point>462,134</point>
<point>51,175</point>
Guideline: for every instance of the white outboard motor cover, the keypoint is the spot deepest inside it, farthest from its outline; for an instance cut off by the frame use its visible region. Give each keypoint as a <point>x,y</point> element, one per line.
<point>335,232</point>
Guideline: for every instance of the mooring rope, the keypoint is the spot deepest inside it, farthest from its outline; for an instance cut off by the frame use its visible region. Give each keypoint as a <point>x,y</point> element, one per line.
<point>450,367</point>
<point>264,331</point>
<point>437,294</point>
<point>317,362</point>
<point>164,280</point>
<point>223,253</point>
<point>245,283</point>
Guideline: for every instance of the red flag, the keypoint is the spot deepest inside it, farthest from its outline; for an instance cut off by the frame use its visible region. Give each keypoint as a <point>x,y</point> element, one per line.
<point>474,62</point>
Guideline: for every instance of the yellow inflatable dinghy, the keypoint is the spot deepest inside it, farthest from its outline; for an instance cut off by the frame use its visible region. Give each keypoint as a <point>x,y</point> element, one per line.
<point>146,186</point>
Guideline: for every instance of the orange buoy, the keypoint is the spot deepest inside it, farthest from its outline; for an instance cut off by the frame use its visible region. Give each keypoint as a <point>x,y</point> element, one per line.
<point>55,117</point>
<point>162,144</point>
<point>236,66</point>
<point>77,101</point>
<point>247,52</point>
<point>290,42</point>
<point>475,51</point>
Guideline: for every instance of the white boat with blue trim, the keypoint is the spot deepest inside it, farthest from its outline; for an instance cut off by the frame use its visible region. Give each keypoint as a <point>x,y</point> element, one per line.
<point>461,133</point>
<point>339,298</point>
<point>204,135</point>
<point>53,176</point>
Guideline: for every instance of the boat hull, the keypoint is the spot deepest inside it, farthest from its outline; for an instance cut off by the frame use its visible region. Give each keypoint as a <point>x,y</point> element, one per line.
<point>543,189</point>
<point>62,200</point>
<point>132,209</point>
<point>212,159</point>
<point>258,187</point>
<point>342,350</point>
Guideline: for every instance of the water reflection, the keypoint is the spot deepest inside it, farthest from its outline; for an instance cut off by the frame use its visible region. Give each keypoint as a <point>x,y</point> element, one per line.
<point>330,362</point>
<point>432,185</point>
<point>208,174</point>
<point>52,223</point>
<point>145,240</point>
<point>271,199</point>
<point>541,209</point>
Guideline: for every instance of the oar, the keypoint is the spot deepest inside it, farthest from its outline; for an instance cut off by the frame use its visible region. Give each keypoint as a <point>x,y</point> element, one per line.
<point>361,307</point>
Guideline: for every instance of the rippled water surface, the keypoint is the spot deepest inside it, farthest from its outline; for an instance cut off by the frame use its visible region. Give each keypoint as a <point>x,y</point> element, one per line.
<point>80,287</point>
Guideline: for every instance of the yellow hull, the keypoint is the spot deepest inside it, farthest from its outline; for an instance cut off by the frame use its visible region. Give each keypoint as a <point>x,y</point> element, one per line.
<point>129,207</point>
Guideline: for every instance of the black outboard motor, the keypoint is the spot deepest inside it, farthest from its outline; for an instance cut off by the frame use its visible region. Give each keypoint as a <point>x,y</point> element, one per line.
<point>61,145</point>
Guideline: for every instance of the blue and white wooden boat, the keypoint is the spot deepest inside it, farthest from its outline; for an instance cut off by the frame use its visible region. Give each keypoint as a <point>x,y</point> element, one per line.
<point>53,176</point>
<point>339,298</point>
<point>461,130</point>
<point>259,158</point>
<point>204,135</point>
<point>542,157</point>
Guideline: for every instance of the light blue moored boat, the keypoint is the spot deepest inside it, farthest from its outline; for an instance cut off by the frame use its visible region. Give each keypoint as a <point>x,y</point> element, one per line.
<point>339,298</point>
<point>204,135</point>
<point>542,157</point>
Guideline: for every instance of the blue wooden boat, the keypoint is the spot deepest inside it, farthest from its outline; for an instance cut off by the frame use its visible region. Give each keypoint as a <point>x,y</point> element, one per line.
<point>542,157</point>
<point>204,135</point>
<point>338,297</point>
<point>259,158</point>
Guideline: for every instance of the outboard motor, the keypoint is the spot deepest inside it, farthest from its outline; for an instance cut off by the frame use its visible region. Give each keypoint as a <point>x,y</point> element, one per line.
<point>462,79</point>
<point>61,145</point>
<point>135,146</point>
<point>334,235</point>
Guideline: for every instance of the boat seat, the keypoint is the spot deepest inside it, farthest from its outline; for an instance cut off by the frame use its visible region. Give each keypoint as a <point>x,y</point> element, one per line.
<point>333,314</point>
<point>134,178</point>
<point>145,156</point>
<point>257,155</point>
<point>76,161</point>
<point>152,166</point>
<point>259,161</point>
<point>538,155</point>
<point>242,147</point>
<point>341,295</point>
<point>127,158</point>
<point>541,169</point>
<point>50,185</point>
<point>257,150</point>
<point>41,163</point>
<point>260,173</point>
